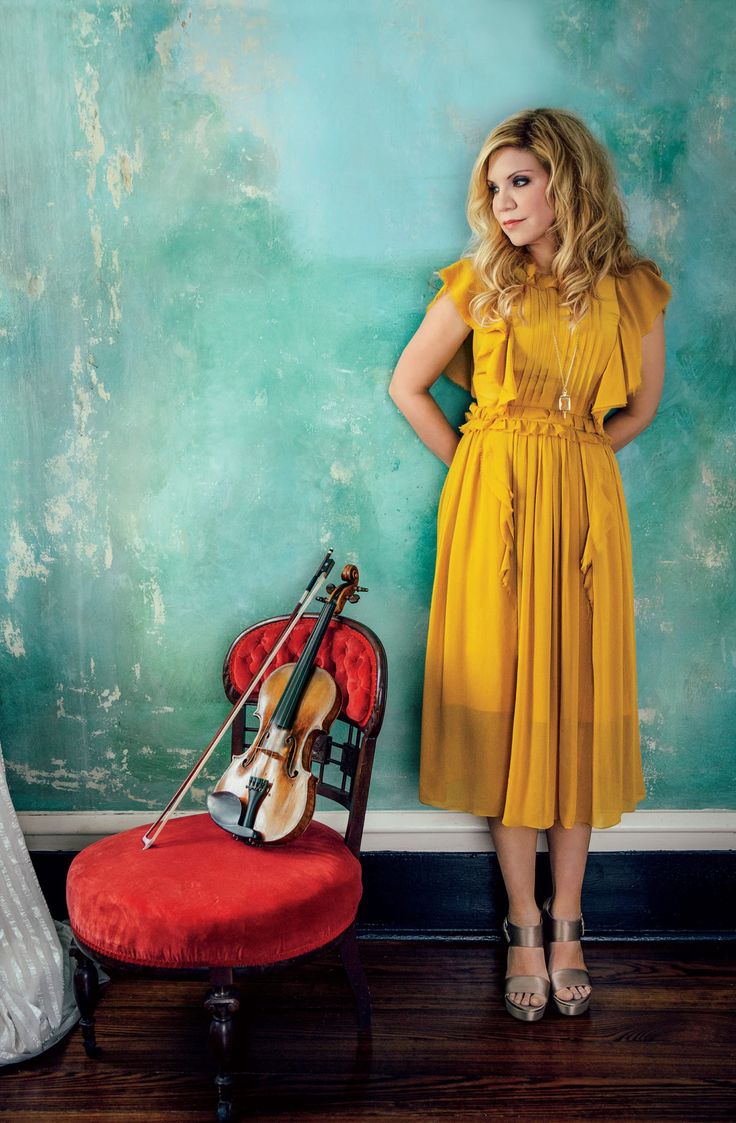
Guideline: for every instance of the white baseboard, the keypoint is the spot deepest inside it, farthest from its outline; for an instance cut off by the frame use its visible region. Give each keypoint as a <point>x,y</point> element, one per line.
<point>420,831</point>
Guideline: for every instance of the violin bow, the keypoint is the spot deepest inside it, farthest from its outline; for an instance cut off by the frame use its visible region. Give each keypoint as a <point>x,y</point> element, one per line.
<point>311,590</point>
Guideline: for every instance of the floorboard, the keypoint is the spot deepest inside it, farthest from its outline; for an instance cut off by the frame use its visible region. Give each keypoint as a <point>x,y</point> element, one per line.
<point>658,1045</point>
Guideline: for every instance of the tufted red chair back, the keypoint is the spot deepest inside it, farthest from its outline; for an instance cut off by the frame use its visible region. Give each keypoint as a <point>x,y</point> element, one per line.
<point>348,651</point>
<point>355,657</point>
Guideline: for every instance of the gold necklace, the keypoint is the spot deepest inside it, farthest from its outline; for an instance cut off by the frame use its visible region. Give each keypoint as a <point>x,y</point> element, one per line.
<point>563,402</point>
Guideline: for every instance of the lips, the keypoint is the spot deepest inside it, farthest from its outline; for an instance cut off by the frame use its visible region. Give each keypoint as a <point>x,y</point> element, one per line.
<point>514,222</point>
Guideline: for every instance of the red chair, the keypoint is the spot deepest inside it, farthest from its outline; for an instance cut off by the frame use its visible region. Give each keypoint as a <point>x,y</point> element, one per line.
<point>164,910</point>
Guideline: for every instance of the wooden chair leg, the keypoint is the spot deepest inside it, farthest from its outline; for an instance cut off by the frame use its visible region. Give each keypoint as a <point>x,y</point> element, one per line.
<point>349,954</point>
<point>86,993</point>
<point>223,1004</point>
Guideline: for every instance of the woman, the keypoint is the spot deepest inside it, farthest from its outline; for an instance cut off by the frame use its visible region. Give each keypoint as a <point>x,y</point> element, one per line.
<point>530,694</point>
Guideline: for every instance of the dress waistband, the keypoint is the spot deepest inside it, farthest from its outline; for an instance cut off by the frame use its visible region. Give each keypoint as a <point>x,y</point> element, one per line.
<point>533,420</point>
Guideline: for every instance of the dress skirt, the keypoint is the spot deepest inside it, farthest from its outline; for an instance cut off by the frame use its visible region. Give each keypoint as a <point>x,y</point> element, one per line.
<point>530,694</point>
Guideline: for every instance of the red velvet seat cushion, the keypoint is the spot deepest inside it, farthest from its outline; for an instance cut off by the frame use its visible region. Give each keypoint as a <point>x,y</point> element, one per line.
<point>200,898</point>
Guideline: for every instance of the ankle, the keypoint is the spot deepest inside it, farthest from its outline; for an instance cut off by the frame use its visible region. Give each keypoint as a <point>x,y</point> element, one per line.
<point>524,914</point>
<point>564,908</point>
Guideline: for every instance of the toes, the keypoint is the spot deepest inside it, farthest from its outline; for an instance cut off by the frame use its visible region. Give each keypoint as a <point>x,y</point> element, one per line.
<point>571,993</point>
<point>524,998</point>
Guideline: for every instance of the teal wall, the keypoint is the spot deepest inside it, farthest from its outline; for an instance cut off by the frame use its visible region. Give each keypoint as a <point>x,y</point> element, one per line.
<point>219,226</point>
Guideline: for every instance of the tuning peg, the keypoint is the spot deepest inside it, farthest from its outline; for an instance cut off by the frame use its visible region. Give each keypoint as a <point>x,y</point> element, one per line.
<point>322,599</point>
<point>330,589</point>
<point>361,588</point>
<point>354,599</point>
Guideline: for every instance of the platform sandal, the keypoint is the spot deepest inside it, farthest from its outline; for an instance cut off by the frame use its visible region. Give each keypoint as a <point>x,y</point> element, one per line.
<point>527,936</point>
<point>560,931</point>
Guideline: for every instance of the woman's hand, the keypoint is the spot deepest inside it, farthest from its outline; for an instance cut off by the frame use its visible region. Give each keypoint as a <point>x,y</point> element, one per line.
<point>422,361</point>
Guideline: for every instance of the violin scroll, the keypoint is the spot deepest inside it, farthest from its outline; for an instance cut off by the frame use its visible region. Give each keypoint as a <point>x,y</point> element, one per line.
<point>348,591</point>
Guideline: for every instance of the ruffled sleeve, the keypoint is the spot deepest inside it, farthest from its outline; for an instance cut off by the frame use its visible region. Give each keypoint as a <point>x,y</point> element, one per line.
<point>459,280</point>
<point>640,297</point>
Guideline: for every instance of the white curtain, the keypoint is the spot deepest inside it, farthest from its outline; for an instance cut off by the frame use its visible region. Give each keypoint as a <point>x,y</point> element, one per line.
<point>37,1005</point>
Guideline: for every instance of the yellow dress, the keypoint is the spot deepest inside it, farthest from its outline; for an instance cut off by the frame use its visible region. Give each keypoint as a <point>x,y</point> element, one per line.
<point>529,708</point>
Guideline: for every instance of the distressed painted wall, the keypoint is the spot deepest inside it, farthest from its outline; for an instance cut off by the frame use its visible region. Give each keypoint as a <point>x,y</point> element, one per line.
<point>219,226</point>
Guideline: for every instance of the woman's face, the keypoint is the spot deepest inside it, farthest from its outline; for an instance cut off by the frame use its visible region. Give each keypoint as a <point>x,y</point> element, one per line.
<point>516,182</point>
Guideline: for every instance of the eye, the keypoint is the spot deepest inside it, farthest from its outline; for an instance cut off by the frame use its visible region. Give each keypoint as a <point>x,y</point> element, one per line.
<point>522,179</point>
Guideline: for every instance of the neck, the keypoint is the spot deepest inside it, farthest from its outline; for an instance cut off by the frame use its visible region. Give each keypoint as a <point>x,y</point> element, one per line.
<point>542,252</point>
<point>543,264</point>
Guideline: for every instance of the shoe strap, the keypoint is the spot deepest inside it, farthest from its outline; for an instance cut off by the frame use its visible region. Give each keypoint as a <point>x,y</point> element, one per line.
<point>523,935</point>
<point>560,931</point>
<point>527,984</point>
<point>569,977</point>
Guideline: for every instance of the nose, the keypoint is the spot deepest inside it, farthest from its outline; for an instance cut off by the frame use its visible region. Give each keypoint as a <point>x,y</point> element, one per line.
<point>502,205</point>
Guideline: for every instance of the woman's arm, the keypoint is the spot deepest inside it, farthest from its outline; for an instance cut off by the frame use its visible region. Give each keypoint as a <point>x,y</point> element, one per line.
<point>640,413</point>
<point>422,361</point>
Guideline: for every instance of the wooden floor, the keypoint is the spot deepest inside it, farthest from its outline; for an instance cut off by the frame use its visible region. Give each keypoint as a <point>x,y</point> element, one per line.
<point>658,1044</point>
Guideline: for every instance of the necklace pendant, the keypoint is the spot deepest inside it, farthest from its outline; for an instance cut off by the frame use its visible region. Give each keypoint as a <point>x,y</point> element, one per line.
<point>564,402</point>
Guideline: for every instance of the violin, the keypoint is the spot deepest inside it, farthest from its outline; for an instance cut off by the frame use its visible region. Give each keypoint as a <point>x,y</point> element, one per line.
<point>311,590</point>
<point>267,794</point>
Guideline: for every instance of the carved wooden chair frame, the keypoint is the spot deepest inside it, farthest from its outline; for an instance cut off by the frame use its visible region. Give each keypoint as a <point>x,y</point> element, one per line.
<point>352,757</point>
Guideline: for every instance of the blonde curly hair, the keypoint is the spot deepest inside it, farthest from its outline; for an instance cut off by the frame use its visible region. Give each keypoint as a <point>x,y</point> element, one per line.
<point>589,227</point>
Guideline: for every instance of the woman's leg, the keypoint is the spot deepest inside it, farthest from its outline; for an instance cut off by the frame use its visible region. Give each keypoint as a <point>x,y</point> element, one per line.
<point>568,853</point>
<point>516,848</point>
